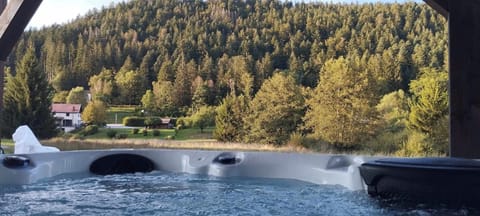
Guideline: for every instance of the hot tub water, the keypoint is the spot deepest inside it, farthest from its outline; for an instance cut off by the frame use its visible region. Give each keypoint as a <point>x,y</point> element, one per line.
<point>164,193</point>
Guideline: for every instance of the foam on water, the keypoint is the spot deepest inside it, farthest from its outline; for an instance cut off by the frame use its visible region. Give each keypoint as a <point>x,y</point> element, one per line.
<point>160,193</point>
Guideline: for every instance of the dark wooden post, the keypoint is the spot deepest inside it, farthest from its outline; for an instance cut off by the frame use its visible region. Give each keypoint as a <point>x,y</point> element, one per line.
<point>464,45</point>
<point>464,36</point>
<point>3,5</point>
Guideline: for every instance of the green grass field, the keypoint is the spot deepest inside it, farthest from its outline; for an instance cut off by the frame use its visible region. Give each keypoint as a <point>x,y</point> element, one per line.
<point>115,114</point>
<point>102,134</point>
<point>8,145</point>
<point>185,134</point>
<point>194,134</point>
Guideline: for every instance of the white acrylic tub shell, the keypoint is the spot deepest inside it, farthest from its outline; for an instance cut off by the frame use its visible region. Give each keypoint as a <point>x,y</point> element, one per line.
<point>315,168</point>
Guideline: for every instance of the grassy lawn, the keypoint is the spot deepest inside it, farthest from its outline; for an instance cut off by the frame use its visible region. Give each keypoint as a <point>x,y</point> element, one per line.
<point>7,142</point>
<point>120,112</point>
<point>194,134</point>
<point>185,134</point>
<point>102,134</point>
<point>191,138</point>
<point>8,145</point>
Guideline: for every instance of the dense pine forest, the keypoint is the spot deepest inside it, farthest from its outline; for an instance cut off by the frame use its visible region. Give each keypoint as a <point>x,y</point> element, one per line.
<point>342,76</point>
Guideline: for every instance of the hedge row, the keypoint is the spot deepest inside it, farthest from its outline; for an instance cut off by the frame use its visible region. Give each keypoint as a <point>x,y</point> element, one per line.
<point>136,121</point>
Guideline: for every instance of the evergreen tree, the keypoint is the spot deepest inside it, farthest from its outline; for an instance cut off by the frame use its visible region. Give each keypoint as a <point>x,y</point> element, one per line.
<point>429,107</point>
<point>276,111</point>
<point>28,98</point>
<point>82,69</point>
<point>341,110</point>
<point>131,86</point>
<point>393,133</point>
<point>239,76</point>
<point>207,70</point>
<point>183,84</point>
<point>148,101</point>
<point>102,86</point>
<point>62,81</point>
<point>60,97</point>
<point>77,96</point>
<point>146,69</point>
<point>128,65</point>
<point>295,68</point>
<point>264,69</point>
<point>229,120</point>
<point>204,117</point>
<point>166,73</point>
<point>430,100</point>
<point>200,97</point>
<point>163,93</point>
<point>393,110</point>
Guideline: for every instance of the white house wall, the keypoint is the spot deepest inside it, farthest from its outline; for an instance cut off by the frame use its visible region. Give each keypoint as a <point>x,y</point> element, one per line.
<point>76,119</point>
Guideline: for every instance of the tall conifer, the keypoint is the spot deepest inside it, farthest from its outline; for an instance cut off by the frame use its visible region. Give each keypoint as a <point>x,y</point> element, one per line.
<point>28,98</point>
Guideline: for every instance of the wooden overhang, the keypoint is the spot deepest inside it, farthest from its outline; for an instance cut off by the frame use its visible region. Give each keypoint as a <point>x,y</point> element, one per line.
<point>13,20</point>
<point>464,73</point>
<point>441,6</point>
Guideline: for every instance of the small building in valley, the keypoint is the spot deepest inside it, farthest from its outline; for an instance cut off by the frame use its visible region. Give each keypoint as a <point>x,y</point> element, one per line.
<point>168,123</point>
<point>67,116</point>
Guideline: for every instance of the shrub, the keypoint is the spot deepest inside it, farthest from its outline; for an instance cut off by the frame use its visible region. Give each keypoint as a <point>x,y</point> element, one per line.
<point>76,130</point>
<point>188,122</point>
<point>153,122</point>
<point>67,135</point>
<point>417,145</point>
<point>204,117</point>
<point>296,140</point>
<point>170,137</point>
<point>77,137</point>
<point>179,127</point>
<point>121,136</point>
<point>90,130</point>
<point>95,113</point>
<point>387,142</point>
<point>111,133</point>
<point>135,131</point>
<point>184,122</point>
<point>134,121</point>
<point>180,123</point>
<point>156,133</point>
<point>145,132</point>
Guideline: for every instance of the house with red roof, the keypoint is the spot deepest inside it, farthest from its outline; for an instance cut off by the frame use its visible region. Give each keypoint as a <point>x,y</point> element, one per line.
<point>67,116</point>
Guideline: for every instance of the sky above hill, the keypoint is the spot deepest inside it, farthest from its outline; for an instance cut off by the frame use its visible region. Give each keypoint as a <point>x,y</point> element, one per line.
<point>61,11</point>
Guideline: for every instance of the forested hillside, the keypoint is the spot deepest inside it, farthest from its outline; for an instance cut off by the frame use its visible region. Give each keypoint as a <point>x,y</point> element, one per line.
<point>344,74</point>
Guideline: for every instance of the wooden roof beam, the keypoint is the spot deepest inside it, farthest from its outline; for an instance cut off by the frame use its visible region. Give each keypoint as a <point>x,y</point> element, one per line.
<point>3,4</point>
<point>441,6</point>
<point>13,20</point>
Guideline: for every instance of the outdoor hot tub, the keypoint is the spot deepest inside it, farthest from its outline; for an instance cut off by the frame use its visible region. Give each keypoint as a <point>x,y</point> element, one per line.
<point>43,180</point>
<point>191,182</point>
<point>315,168</point>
